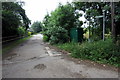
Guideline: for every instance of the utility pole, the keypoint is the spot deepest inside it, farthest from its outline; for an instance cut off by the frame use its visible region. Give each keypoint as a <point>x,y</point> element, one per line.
<point>103,25</point>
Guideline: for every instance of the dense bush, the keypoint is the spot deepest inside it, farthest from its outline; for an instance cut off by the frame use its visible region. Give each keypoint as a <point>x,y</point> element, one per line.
<point>100,51</point>
<point>45,38</point>
<point>21,31</point>
<point>29,33</point>
<point>13,16</point>
<point>58,35</point>
<point>57,25</point>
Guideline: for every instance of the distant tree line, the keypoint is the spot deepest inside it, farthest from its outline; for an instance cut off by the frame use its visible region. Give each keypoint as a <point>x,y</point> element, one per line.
<point>36,27</point>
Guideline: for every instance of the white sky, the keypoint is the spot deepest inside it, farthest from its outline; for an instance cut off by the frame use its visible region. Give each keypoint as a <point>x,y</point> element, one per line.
<point>37,9</point>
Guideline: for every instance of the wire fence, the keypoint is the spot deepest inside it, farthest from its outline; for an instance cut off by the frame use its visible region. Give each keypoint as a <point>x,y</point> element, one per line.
<point>12,39</point>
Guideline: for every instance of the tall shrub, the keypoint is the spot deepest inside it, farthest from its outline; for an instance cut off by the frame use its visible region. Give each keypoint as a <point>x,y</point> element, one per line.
<point>57,25</point>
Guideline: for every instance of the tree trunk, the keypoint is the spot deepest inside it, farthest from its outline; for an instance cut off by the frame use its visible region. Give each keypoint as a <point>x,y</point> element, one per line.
<point>112,22</point>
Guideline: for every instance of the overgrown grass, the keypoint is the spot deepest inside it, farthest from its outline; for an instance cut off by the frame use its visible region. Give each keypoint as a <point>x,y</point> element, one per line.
<point>99,51</point>
<point>14,44</point>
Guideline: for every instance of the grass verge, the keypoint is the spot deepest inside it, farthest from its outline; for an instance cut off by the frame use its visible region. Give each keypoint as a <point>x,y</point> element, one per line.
<point>14,44</point>
<point>99,51</point>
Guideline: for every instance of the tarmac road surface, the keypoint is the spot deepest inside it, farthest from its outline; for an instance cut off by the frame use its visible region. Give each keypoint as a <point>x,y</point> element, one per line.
<point>31,59</point>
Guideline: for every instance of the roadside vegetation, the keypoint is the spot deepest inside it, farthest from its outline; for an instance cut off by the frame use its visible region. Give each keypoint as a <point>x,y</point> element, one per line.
<point>14,19</point>
<point>15,25</point>
<point>56,29</point>
<point>57,25</point>
<point>98,51</point>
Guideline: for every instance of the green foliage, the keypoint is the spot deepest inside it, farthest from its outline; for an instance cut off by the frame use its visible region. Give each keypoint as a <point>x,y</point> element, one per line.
<point>21,31</point>
<point>29,33</point>
<point>45,38</point>
<point>36,26</point>
<point>58,35</point>
<point>96,9</point>
<point>10,23</point>
<point>100,51</point>
<point>57,25</point>
<point>13,16</point>
<point>95,37</point>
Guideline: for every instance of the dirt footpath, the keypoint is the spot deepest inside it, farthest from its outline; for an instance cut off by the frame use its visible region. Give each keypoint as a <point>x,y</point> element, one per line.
<point>33,59</point>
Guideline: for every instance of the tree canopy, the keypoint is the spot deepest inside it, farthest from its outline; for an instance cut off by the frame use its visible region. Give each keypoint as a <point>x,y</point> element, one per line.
<point>13,16</point>
<point>58,23</point>
<point>37,26</point>
<point>93,9</point>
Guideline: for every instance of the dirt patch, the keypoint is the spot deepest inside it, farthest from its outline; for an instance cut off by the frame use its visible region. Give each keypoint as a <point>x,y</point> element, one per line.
<point>40,66</point>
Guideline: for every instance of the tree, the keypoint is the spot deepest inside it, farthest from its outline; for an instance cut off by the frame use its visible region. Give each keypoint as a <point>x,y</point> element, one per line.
<point>45,22</point>
<point>57,25</point>
<point>13,16</point>
<point>37,27</point>
<point>116,23</point>
<point>95,9</point>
